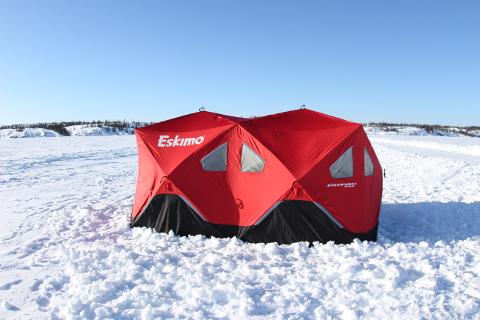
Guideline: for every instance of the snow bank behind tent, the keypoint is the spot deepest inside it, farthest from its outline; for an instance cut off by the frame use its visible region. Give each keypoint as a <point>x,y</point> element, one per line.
<point>76,130</point>
<point>418,131</point>
<point>88,130</point>
<point>28,133</point>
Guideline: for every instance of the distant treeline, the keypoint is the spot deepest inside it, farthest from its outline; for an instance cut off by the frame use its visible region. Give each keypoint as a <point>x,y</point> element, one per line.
<point>60,126</point>
<point>430,128</point>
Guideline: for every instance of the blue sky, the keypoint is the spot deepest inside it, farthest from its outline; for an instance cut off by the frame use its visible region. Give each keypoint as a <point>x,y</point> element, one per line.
<point>403,61</point>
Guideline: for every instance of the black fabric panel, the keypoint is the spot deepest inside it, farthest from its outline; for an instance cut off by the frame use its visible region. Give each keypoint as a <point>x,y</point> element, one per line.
<point>294,221</point>
<point>291,221</point>
<point>367,236</point>
<point>169,212</point>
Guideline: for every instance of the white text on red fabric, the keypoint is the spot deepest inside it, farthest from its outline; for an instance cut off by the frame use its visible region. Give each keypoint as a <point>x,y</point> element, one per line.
<point>166,141</point>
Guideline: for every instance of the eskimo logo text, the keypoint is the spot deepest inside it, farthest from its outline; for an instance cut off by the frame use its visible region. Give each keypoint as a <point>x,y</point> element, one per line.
<point>166,141</point>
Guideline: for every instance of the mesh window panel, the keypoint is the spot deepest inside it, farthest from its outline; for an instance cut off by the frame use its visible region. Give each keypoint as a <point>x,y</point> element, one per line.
<point>216,160</point>
<point>367,164</point>
<point>251,162</point>
<point>343,167</point>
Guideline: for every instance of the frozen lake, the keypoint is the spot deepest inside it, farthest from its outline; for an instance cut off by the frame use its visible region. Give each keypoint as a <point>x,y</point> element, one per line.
<point>66,249</point>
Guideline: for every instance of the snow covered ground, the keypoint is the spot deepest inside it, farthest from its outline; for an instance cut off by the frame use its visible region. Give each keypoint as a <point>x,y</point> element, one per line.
<point>396,130</point>
<point>88,130</point>
<point>66,250</point>
<point>28,133</point>
<point>76,130</point>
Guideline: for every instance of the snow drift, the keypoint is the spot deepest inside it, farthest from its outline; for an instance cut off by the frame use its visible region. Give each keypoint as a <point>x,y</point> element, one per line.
<point>88,130</point>
<point>28,133</point>
<point>75,130</point>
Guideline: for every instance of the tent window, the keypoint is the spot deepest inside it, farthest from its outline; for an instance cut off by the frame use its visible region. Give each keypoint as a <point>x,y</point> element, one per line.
<point>367,163</point>
<point>251,162</point>
<point>216,160</point>
<point>343,167</point>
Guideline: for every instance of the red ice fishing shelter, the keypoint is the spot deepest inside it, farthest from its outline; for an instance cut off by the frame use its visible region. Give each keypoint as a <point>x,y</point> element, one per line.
<point>294,176</point>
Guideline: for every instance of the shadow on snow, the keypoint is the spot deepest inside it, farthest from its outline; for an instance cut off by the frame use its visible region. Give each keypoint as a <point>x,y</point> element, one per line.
<point>429,221</point>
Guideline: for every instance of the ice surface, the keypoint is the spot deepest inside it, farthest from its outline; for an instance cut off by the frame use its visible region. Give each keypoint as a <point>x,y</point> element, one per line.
<point>66,250</point>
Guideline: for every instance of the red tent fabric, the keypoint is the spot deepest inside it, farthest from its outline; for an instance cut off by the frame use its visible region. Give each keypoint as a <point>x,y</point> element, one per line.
<point>295,176</point>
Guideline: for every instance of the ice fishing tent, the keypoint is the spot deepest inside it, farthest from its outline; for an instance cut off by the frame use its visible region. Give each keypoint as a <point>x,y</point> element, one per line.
<point>294,176</point>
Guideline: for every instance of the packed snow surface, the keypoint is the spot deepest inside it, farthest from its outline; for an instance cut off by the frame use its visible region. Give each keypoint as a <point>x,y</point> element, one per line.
<point>66,250</point>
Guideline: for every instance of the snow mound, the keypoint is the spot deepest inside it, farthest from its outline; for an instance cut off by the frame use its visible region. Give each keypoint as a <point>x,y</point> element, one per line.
<point>416,131</point>
<point>88,130</point>
<point>28,133</point>
<point>66,250</point>
<point>76,130</point>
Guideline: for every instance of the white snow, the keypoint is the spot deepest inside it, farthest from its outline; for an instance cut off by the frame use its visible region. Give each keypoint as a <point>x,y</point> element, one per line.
<point>66,250</point>
<point>410,131</point>
<point>76,130</point>
<point>89,130</point>
<point>28,133</point>
<point>395,130</point>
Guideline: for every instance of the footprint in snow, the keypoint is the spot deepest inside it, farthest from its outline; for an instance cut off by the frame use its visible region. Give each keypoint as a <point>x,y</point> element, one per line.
<point>8,306</point>
<point>8,285</point>
<point>36,285</point>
